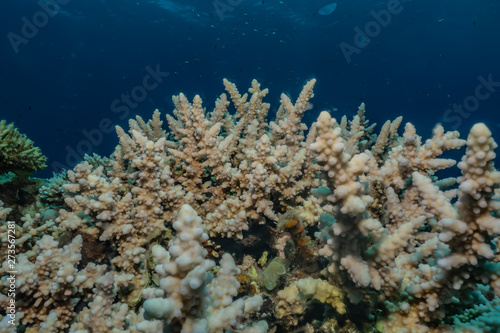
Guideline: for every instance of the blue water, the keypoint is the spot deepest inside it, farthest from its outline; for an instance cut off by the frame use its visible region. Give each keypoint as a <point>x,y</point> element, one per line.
<point>64,78</point>
<point>328,9</point>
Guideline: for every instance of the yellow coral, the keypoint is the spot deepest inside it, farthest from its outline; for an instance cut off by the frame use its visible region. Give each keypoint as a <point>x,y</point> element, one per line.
<point>323,291</point>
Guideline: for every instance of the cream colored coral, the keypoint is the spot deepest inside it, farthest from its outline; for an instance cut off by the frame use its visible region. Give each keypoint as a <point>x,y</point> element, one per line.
<point>255,160</point>
<point>341,169</point>
<point>51,283</point>
<point>468,236</point>
<point>289,304</point>
<point>385,138</point>
<point>132,213</point>
<point>287,130</point>
<point>393,250</point>
<point>197,139</point>
<point>152,129</point>
<point>187,295</point>
<point>322,291</point>
<point>127,208</point>
<point>309,211</point>
<point>102,313</point>
<point>412,156</point>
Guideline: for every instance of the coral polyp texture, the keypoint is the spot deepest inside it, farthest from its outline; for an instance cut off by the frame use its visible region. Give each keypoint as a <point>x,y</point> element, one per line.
<point>421,253</point>
<point>17,152</point>
<point>228,222</point>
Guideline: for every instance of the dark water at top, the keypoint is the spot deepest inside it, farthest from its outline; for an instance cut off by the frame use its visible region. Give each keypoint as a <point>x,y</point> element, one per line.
<point>67,67</point>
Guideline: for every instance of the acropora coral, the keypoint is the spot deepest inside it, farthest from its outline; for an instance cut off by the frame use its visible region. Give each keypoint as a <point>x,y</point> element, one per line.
<point>230,223</point>
<point>17,152</point>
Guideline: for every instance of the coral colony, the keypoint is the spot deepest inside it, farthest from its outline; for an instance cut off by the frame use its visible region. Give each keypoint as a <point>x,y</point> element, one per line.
<point>230,223</point>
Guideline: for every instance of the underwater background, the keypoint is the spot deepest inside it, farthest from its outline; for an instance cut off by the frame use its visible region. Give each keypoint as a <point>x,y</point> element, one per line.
<point>253,212</point>
<point>59,80</point>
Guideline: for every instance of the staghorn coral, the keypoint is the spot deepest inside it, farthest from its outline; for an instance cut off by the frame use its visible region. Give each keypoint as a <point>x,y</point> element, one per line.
<point>51,284</point>
<point>471,229</point>
<point>103,314</point>
<point>17,153</point>
<point>127,201</point>
<point>130,198</point>
<point>402,249</point>
<point>227,177</point>
<point>412,155</point>
<point>409,254</point>
<point>126,208</point>
<point>188,299</point>
<point>249,164</point>
<point>30,229</point>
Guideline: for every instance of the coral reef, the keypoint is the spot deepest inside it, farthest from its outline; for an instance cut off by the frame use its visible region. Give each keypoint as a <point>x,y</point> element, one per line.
<point>230,223</point>
<point>422,252</point>
<point>19,158</point>
<point>189,296</point>
<point>17,153</point>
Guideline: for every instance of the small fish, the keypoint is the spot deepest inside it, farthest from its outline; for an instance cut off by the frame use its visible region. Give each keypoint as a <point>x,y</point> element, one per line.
<point>328,9</point>
<point>440,20</point>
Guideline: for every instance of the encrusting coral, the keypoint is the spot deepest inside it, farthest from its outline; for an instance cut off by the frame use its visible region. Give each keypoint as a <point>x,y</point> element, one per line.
<point>353,224</point>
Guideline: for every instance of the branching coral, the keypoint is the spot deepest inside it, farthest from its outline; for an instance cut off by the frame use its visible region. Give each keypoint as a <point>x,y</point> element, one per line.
<point>188,299</point>
<point>51,285</point>
<point>128,209</point>
<point>218,165</point>
<point>103,314</point>
<point>234,165</point>
<point>17,153</point>
<point>124,245</point>
<point>422,246</point>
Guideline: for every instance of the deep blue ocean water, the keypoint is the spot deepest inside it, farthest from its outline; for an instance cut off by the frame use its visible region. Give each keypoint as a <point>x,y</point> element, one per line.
<point>67,67</point>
